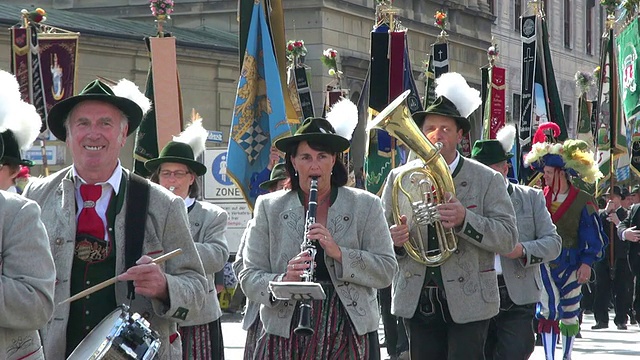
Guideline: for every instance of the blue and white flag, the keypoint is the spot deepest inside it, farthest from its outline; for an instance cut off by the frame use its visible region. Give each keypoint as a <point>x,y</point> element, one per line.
<point>259,114</point>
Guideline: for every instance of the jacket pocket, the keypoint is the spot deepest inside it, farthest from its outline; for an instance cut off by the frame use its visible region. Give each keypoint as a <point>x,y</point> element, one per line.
<point>489,286</point>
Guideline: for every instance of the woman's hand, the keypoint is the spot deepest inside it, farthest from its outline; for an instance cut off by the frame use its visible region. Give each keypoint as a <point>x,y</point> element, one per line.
<point>297,266</point>
<point>320,233</point>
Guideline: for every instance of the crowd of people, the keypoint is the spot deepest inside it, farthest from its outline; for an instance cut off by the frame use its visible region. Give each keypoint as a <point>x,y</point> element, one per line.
<point>520,255</point>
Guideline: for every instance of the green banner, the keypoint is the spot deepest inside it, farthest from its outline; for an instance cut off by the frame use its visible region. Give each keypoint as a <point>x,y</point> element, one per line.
<point>628,43</point>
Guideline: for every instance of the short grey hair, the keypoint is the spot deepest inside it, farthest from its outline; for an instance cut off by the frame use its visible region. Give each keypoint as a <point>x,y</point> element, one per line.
<point>124,119</point>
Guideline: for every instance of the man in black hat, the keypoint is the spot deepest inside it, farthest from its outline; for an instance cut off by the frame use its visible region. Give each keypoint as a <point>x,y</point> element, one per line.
<point>613,274</point>
<point>447,307</point>
<point>511,334</point>
<point>91,210</point>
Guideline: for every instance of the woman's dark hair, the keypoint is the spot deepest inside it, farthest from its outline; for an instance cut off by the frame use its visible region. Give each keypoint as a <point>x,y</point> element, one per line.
<point>339,174</point>
<point>194,189</point>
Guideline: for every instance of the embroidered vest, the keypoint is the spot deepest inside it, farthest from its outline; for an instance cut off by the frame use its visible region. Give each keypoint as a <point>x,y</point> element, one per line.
<point>85,314</point>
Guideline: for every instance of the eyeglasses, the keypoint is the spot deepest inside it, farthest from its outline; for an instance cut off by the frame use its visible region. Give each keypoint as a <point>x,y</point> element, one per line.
<point>178,174</point>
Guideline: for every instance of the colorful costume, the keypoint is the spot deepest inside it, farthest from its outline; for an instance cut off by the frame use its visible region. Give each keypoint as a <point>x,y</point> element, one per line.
<point>575,215</point>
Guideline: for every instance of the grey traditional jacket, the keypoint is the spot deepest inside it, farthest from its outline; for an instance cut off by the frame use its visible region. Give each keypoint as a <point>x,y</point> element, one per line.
<point>166,229</point>
<point>28,278</point>
<point>538,236</point>
<point>252,310</point>
<point>208,225</point>
<point>356,222</point>
<point>469,277</point>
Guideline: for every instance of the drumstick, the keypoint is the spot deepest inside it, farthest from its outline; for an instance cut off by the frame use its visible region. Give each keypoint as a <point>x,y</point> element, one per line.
<point>113,280</point>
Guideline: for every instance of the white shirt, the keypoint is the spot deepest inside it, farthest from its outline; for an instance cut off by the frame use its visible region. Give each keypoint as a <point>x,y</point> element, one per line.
<point>454,163</point>
<point>188,201</point>
<point>112,184</point>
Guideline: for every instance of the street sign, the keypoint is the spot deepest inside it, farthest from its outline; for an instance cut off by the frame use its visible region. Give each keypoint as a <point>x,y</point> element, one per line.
<point>214,136</point>
<point>35,154</point>
<point>217,185</point>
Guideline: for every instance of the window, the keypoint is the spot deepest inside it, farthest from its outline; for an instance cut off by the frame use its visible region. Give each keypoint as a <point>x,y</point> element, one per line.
<point>517,12</point>
<point>567,24</point>
<point>567,116</point>
<point>516,108</point>
<point>589,27</point>
<point>492,6</point>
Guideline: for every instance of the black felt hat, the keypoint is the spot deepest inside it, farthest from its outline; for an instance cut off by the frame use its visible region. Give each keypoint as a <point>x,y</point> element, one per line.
<point>12,150</point>
<point>176,152</point>
<point>443,106</point>
<point>96,90</point>
<point>279,172</point>
<point>317,130</point>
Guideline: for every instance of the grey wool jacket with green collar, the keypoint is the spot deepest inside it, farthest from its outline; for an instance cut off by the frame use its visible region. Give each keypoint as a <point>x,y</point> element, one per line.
<point>166,229</point>
<point>28,278</point>
<point>356,222</point>
<point>468,276</point>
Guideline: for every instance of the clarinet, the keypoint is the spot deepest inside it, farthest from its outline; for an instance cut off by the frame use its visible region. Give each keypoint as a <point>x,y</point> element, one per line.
<point>304,325</point>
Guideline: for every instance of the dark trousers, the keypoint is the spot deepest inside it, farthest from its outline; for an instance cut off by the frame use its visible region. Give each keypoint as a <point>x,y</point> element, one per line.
<point>394,332</point>
<point>621,287</point>
<point>434,336</point>
<point>511,333</point>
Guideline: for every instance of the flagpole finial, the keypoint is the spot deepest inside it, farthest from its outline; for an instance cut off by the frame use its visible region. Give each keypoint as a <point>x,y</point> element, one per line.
<point>33,17</point>
<point>536,7</point>
<point>162,10</point>
<point>386,13</point>
<point>441,22</point>
<point>492,52</point>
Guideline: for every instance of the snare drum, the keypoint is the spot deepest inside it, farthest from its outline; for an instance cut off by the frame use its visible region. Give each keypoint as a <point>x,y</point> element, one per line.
<point>120,336</point>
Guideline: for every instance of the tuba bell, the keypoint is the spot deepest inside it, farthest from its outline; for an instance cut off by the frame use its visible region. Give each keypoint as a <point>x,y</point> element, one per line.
<point>426,185</point>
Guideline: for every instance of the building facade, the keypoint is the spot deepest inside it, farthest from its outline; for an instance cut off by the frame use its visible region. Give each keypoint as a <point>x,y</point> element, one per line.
<point>343,25</point>
<point>575,28</point>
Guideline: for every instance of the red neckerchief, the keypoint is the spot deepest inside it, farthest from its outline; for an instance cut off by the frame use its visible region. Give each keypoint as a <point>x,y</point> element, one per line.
<point>550,197</point>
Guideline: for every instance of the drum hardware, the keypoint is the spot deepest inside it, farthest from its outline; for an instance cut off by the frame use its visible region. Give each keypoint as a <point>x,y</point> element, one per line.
<point>122,335</point>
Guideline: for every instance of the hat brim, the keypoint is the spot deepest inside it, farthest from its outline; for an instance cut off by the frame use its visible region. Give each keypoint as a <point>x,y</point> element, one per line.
<point>335,142</point>
<point>463,123</point>
<point>490,160</point>
<point>265,185</point>
<point>59,112</point>
<point>16,161</point>
<point>195,166</point>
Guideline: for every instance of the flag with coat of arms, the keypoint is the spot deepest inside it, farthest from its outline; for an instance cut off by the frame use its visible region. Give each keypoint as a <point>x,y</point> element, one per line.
<point>259,116</point>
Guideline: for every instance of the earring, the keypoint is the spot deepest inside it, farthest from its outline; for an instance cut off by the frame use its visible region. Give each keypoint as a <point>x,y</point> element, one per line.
<point>296,174</point>
<point>331,172</point>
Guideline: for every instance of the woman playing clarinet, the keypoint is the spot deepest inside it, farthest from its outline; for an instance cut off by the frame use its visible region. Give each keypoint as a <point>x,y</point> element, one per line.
<point>352,247</point>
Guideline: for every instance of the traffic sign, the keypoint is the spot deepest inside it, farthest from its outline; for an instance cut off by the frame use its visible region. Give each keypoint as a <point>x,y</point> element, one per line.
<point>217,185</point>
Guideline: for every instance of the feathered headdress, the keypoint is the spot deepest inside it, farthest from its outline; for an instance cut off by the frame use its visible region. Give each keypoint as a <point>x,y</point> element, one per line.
<point>507,137</point>
<point>127,89</point>
<point>572,156</point>
<point>455,88</point>
<point>20,123</point>
<point>343,116</point>
<point>195,135</point>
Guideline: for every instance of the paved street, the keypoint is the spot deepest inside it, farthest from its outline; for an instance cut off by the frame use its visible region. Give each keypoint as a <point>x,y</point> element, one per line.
<point>608,344</point>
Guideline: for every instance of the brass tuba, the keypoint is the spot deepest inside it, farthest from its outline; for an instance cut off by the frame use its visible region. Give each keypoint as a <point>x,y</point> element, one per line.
<point>428,184</point>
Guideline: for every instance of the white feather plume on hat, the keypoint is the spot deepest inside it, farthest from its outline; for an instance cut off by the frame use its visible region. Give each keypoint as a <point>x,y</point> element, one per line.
<point>195,135</point>
<point>127,89</point>
<point>343,116</point>
<point>455,88</point>
<point>9,94</point>
<point>16,115</point>
<point>506,136</point>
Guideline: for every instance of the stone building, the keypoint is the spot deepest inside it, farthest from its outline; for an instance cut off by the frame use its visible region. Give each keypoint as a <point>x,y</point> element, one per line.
<point>575,28</point>
<point>115,49</point>
<point>340,24</point>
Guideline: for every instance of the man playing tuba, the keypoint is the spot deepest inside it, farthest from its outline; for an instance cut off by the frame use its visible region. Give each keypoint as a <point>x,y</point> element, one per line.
<point>447,304</point>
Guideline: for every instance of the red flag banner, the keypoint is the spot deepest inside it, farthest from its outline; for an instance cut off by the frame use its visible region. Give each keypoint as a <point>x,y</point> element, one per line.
<point>20,64</point>
<point>58,61</point>
<point>498,98</point>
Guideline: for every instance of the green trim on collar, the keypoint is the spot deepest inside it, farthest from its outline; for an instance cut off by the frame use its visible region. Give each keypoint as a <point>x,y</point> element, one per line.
<point>459,167</point>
